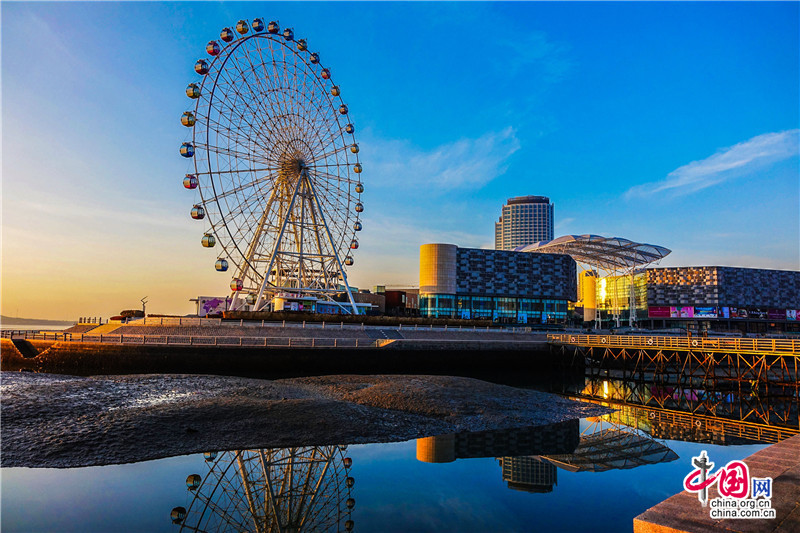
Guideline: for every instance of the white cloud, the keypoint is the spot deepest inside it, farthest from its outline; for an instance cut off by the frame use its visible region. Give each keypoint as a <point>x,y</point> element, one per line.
<point>463,164</point>
<point>726,164</point>
<point>564,222</point>
<point>534,52</point>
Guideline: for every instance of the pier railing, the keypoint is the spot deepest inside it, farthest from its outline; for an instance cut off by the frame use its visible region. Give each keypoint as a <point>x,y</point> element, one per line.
<point>783,346</point>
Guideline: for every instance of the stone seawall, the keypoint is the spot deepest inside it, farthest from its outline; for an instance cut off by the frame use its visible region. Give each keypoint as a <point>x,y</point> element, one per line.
<point>467,358</point>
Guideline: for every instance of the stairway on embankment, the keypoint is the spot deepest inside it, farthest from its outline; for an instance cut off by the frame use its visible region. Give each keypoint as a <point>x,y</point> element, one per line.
<point>25,348</point>
<point>103,329</point>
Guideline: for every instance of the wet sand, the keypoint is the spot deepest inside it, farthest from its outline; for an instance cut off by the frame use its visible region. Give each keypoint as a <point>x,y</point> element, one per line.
<point>64,421</point>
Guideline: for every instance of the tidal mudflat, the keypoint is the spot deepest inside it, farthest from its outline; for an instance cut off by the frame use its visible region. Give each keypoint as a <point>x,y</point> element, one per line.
<point>66,421</point>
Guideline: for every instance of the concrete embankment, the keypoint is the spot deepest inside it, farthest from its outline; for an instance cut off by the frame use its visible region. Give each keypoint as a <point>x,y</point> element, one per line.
<point>462,357</point>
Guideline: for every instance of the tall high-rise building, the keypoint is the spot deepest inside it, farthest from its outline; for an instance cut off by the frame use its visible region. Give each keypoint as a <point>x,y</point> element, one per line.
<point>525,220</point>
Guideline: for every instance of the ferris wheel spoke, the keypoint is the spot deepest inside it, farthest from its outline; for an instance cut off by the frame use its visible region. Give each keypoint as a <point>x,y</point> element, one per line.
<point>227,133</point>
<point>240,188</point>
<point>229,111</point>
<point>222,103</point>
<point>210,505</point>
<point>326,144</point>
<point>237,171</point>
<point>258,98</point>
<point>232,215</point>
<point>237,76</point>
<point>270,492</point>
<point>221,129</point>
<point>338,150</point>
<point>228,152</point>
<point>335,177</point>
<point>276,75</point>
<point>302,510</point>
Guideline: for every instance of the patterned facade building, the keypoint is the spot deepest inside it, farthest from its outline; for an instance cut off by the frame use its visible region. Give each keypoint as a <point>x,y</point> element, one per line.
<point>501,273</point>
<point>723,286</point>
<point>495,284</point>
<point>524,220</point>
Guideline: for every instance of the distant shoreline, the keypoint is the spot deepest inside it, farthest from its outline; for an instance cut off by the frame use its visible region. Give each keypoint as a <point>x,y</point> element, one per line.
<point>16,321</point>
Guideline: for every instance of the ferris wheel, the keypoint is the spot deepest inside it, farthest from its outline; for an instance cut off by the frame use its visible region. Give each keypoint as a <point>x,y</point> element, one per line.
<point>270,491</point>
<point>275,164</point>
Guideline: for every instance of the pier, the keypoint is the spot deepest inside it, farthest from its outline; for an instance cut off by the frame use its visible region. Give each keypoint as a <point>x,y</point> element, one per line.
<point>751,380</point>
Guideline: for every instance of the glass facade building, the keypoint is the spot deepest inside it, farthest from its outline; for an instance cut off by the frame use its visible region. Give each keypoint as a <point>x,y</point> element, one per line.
<point>496,285</point>
<point>673,296</point>
<point>613,296</point>
<point>524,220</point>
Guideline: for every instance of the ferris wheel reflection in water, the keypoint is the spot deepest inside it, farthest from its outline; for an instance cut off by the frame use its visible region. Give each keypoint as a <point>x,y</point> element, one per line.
<point>270,490</point>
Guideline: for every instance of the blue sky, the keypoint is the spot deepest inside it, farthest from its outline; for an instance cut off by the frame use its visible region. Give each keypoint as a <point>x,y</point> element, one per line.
<point>669,123</point>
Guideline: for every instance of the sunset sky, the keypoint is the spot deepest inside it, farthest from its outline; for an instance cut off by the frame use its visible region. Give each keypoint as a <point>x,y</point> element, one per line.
<point>668,123</point>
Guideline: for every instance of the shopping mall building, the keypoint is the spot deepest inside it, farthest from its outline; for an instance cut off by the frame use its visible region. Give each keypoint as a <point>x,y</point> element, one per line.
<point>526,287</point>
<point>747,299</point>
<point>498,285</point>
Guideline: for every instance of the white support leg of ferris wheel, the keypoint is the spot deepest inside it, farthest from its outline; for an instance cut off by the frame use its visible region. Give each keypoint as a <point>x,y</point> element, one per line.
<point>333,245</point>
<point>260,298</point>
<point>251,249</point>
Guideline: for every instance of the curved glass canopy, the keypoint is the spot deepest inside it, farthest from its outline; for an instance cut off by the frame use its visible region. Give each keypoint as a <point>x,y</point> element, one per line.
<point>608,253</point>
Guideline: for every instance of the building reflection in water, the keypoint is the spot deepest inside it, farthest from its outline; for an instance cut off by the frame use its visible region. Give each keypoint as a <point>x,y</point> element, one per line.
<point>529,474</point>
<point>754,389</point>
<point>562,437</point>
<point>270,490</point>
<point>694,410</point>
<point>608,445</point>
<point>529,457</point>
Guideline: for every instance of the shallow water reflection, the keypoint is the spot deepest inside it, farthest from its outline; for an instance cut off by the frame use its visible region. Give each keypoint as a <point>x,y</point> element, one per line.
<point>560,477</point>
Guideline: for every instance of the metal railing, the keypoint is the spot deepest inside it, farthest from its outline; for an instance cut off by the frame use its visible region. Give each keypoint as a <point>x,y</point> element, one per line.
<point>782,346</point>
<point>194,321</point>
<point>177,321</point>
<point>197,340</point>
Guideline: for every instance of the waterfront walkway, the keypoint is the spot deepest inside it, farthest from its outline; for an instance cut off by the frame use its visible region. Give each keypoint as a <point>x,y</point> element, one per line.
<point>212,332</point>
<point>684,513</point>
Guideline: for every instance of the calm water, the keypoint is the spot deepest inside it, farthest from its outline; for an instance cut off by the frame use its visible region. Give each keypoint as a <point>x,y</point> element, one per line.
<point>393,490</point>
<point>34,327</point>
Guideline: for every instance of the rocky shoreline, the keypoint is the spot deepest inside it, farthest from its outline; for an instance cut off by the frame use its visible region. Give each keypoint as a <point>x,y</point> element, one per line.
<point>65,421</point>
